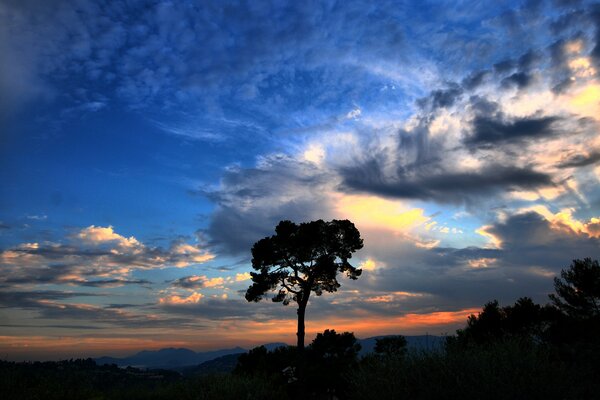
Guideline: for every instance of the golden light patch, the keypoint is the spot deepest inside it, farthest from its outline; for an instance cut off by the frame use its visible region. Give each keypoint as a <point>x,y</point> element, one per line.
<point>589,95</point>
<point>378,212</point>
<point>582,67</point>
<point>493,239</point>
<point>242,277</point>
<point>565,221</point>
<point>481,262</point>
<point>315,153</point>
<point>175,299</point>
<point>98,235</point>
<point>368,265</point>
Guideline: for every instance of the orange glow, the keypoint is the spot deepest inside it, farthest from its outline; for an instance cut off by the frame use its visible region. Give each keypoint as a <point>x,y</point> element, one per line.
<point>227,333</point>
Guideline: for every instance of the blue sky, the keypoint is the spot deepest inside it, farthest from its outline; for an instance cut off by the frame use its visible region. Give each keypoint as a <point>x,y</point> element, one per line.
<point>147,145</point>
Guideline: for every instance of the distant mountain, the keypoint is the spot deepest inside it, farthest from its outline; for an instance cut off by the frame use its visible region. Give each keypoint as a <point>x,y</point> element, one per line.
<point>219,365</point>
<point>189,362</point>
<point>169,358</point>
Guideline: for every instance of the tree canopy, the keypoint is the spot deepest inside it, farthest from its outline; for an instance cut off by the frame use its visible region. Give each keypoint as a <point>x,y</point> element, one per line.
<point>578,289</point>
<point>303,258</point>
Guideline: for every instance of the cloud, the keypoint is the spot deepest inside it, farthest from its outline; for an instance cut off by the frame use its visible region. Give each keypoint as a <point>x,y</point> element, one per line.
<point>197,282</point>
<point>580,160</point>
<point>489,131</point>
<point>96,235</point>
<point>251,201</point>
<point>95,257</point>
<point>59,306</point>
<point>174,299</point>
<point>443,187</point>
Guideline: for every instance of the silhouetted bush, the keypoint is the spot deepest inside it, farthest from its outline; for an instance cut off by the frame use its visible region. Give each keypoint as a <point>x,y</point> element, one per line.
<point>391,346</point>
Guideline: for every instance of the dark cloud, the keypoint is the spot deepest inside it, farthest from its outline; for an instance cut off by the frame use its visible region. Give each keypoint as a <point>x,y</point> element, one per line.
<point>530,240</point>
<point>443,187</point>
<point>529,59</point>
<point>519,79</point>
<point>123,305</point>
<point>251,201</point>
<point>31,299</point>
<point>580,160</point>
<point>504,66</point>
<point>493,130</point>
<point>115,282</point>
<point>190,282</point>
<point>442,98</point>
<point>475,79</point>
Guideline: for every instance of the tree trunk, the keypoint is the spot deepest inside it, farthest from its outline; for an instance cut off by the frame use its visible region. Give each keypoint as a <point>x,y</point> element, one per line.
<point>300,333</point>
<point>302,302</point>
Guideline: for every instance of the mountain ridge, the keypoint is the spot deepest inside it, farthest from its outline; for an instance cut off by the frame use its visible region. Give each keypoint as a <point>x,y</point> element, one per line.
<point>181,358</point>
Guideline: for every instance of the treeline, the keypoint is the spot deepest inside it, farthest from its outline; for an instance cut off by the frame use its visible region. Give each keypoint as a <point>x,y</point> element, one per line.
<point>519,351</point>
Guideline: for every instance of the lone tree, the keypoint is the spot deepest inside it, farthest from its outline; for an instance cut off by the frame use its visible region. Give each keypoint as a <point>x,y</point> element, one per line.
<point>300,259</point>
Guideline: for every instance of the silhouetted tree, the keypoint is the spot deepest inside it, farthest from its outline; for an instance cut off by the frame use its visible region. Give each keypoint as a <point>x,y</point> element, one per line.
<point>578,290</point>
<point>391,346</point>
<point>300,259</point>
<point>523,320</point>
<point>330,345</point>
<point>331,356</point>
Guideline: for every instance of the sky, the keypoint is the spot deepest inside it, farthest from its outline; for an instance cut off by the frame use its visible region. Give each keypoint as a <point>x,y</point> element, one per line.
<point>146,145</point>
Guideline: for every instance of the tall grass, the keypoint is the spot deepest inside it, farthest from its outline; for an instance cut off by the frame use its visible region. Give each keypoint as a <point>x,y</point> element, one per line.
<point>507,370</point>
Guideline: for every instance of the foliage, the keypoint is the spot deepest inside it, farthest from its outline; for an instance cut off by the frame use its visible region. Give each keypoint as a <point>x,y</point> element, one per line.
<point>578,290</point>
<point>524,320</point>
<point>391,346</point>
<point>331,355</point>
<point>319,371</point>
<point>304,258</point>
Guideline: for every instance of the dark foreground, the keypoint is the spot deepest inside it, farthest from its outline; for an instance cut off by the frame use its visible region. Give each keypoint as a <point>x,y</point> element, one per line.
<point>508,370</point>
